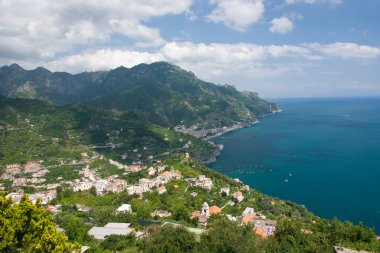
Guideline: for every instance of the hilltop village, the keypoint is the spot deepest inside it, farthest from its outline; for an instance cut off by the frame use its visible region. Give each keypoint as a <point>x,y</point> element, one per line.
<point>151,185</point>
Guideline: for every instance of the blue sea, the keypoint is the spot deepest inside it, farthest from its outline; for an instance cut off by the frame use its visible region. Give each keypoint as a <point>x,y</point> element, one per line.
<point>323,153</point>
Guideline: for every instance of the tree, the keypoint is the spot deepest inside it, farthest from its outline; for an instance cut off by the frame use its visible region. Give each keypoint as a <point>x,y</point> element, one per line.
<point>119,242</point>
<point>227,236</point>
<point>26,227</point>
<point>169,239</point>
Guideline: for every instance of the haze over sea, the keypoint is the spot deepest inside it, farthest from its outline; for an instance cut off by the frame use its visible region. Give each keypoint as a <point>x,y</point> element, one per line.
<point>323,153</point>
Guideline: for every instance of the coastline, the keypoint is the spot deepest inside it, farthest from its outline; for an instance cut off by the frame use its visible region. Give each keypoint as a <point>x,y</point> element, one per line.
<point>219,147</point>
<point>229,129</point>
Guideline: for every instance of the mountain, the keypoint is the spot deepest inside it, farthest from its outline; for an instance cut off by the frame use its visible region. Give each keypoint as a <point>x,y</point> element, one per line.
<point>162,92</point>
<point>35,130</point>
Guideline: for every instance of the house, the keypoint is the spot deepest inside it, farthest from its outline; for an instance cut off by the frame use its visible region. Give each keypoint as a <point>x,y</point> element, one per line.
<point>194,194</point>
<point>48,196</point>
<point>161,213</point>
<point>82,208</point>
<point>264,227</point>
<point>133,168</point>
<point>166,174</point>
<point>13,169</point>
<point>160,168</point>
<point>161,190</point>
<point>131,190</point>
<point>231,218</point>
<point>100,187</point>
<point>225,190</point>
<point>247,219</point>
<point>248,210</point>
<point>16,196</point>
<point>205,183</point>
<point>81,186</point>
<point>117,164</point>
<point>191,181</point>
<point>238,196</point>
<point>100,233</point>
<point>151,171</point>
<point>245,188</point>
<point>215,210</point>
<point>19,181</point>
<point>116,185</point>
<point>176,186</point>
<point>195,214</point>
<point>53,209</point>
<point>32,167</point>
<point>177,175</point>
<point>124,208</point>
<point>202,181</point>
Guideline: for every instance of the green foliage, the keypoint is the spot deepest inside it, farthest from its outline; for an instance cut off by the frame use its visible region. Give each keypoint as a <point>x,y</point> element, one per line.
<point>26,227</point>
<point>33,130</point>
<point>118,242</point>
<point>169,239</point>
<point>74,227</point>
<point>105,169</point>
<point>162,92</point>
<point>227,236</point>
<point>68,173</point>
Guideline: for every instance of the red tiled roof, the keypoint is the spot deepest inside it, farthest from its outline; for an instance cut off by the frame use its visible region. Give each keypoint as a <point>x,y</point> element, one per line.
<point>215,210</point>
<point>247,219</point>
<point>260,231</point>
<point>165,173</point>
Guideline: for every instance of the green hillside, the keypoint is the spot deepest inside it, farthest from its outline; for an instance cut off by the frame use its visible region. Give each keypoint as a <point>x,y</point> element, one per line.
<point>36,130</point>
<point>163,93</point>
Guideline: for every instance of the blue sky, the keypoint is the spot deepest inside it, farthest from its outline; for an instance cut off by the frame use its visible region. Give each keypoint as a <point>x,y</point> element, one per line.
<point>282,48</point>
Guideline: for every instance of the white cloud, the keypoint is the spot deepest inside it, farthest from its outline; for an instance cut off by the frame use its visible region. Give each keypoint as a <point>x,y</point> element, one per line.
<point>346,50</point>
<point>44,28</point>
<point>102,59</point>
<point>241,64</point>
<point>281,25</point>
<point>211,60</point>
<point>237,14</point>
<point>332,2</point>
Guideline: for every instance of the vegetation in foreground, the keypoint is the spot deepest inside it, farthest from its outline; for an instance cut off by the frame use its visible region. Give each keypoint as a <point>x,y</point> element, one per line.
<point>297,229</point>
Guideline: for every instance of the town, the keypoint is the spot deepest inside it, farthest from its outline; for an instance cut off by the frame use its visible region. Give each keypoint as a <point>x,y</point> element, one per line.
<point>158,179</point>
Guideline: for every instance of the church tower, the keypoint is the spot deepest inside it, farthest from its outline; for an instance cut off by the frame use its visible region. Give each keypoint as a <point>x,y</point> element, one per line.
<point>205,210</point>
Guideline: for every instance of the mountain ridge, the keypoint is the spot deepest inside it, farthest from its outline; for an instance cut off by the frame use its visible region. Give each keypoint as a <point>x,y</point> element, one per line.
<point>162,92</point>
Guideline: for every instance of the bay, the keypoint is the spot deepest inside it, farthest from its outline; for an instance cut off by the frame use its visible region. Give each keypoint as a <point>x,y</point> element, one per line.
<point>323,153</point>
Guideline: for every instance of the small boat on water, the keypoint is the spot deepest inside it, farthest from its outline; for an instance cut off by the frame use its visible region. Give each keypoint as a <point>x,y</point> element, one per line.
<point>286,180</point>
<point>290,175</point>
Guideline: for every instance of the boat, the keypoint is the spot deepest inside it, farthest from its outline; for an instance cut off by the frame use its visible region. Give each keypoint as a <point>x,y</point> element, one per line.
<point>286,180</point>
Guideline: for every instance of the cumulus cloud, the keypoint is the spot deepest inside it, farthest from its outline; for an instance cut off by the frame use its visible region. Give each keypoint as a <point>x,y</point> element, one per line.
<point>44,28</point>
<point>236,14</point>
<point>281,25</point>
<point>346,50</point>
<point>102,59</point>
<point>210,60</point>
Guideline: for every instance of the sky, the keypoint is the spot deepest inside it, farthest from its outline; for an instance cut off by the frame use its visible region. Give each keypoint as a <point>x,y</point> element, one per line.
<point>278,48</point>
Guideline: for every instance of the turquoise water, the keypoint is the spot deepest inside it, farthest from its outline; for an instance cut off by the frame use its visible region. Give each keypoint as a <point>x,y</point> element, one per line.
<point>327,149</point>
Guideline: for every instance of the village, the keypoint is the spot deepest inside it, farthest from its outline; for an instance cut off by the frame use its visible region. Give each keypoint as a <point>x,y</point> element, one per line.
<point>158,176</point>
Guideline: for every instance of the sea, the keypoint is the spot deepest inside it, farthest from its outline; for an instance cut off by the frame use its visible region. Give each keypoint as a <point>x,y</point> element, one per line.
<point>323,153</point>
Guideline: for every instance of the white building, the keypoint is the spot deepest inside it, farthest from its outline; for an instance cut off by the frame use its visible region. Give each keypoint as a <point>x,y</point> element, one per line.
<point>100,233</point>
<point>124,208</point>
<point>151,171</point>
<point>248,210</point>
